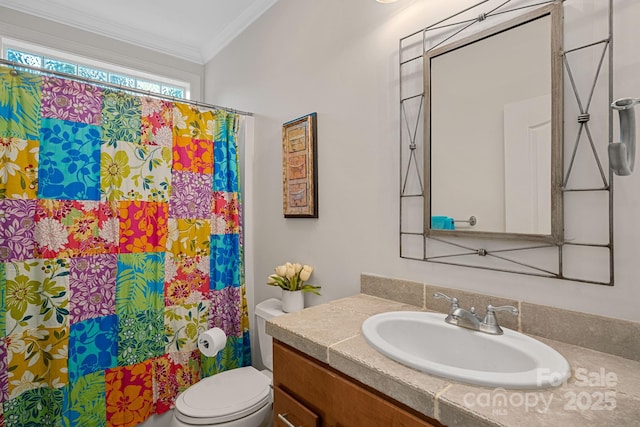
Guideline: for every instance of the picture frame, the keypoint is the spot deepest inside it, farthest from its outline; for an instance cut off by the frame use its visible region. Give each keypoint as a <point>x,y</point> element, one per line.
<point>300,168</point>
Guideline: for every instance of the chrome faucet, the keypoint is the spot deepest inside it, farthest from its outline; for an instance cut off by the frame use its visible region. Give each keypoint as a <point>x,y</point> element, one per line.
<point>470,320</point>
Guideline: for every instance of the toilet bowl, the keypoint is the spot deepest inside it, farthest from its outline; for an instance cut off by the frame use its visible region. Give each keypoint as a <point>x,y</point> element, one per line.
<point>241,397</point>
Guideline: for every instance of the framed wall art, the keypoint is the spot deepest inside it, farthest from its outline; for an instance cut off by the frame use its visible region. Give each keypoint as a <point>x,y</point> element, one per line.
<point>299,168</point>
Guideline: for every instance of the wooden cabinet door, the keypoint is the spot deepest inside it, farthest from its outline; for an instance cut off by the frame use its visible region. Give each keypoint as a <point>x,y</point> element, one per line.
<point>335,399</point>
<point>356,406</point>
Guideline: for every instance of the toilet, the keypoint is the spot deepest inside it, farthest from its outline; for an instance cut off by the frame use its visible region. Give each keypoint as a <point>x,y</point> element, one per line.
<point>240,397</point>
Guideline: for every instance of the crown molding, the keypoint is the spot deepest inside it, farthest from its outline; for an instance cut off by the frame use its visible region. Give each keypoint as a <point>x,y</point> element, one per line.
<point>112,29</point>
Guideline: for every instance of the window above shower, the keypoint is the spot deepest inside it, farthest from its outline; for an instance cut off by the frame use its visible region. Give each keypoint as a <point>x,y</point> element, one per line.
<point>54,60</point>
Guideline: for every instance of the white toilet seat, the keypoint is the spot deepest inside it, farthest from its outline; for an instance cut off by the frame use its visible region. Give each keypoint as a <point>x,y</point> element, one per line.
<point>224,397</point>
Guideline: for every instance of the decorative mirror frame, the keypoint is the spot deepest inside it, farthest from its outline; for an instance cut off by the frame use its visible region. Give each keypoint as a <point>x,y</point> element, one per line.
<point>511,254</point>
<point>554,12</point>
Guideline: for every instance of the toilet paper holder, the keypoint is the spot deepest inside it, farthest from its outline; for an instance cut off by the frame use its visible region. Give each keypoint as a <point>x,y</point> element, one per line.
<point>212,341</point>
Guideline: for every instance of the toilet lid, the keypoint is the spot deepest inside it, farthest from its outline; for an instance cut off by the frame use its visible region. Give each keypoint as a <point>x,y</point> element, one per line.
<point>224,397</point>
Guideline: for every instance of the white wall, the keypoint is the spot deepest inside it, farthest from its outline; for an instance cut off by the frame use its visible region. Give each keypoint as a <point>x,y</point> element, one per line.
<point>339,58</point>
<point>47,33</point>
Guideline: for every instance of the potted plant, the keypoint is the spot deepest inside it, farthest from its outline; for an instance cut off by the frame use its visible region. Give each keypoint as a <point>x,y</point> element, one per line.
<point>292,278</point>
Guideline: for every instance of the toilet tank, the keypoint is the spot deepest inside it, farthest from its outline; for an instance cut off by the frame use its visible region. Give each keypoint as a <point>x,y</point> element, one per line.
<point>264,311</point>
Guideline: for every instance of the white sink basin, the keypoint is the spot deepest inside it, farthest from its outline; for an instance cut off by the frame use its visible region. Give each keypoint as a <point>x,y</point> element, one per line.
<point>425,342</point>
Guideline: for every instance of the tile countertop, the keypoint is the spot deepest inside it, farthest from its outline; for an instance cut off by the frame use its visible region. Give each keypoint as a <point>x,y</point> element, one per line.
<point>604,390</point>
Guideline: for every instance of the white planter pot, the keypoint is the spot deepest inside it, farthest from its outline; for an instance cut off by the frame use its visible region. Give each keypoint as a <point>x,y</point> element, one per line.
<point>292,301</point>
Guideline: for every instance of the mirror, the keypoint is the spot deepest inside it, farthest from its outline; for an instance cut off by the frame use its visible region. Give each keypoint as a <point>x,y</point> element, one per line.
<point>493,132</point>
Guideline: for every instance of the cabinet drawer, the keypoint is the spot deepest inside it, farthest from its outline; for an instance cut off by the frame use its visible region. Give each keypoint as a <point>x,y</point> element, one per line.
<point>287,409</point>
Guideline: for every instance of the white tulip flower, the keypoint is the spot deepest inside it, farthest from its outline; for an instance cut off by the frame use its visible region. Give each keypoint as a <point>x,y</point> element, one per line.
<point>305,273</point>
<point>291,271</point>
<point>281,270</point>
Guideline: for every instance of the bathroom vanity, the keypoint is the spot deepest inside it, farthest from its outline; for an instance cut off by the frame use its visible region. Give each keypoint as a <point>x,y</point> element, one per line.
<point>326,374</point>
<point>312,394</point>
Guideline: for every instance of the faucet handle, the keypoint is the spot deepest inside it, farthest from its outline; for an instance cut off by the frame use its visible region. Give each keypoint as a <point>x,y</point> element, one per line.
<point>453,301</point>
<point>440,295</point>
<point>511,309</point>
<point>490,322</point>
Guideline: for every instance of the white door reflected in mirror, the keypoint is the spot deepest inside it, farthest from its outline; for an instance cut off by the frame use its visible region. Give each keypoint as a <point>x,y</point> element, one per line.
<point>527,166</point>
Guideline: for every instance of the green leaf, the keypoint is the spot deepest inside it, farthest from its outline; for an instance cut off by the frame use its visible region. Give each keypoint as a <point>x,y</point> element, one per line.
<point>69,218</point>
<point>180,342</point>
<point>307,287</point>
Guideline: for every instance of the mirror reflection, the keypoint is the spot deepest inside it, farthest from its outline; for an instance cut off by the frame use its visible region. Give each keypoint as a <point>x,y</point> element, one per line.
<point>493,131</point>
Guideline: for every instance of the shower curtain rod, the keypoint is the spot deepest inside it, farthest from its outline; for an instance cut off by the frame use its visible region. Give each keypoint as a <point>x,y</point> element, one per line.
<point>16,65</point>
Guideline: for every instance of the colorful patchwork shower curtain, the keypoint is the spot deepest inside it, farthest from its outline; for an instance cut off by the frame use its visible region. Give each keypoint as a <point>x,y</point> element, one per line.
<point>120,241</point>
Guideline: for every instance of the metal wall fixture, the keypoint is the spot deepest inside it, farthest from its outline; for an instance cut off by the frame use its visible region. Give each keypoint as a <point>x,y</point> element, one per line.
<point>518,257</point>
<point>472,221</point>
<point>622,155</point>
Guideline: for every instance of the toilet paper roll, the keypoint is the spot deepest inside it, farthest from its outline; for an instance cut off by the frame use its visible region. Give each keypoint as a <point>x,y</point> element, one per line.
<point>212,341</point>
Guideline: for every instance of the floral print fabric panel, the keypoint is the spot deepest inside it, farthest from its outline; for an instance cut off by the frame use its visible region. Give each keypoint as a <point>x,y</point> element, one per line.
<point>72,101</point>
<point>183,324</point>
<point>37,358</point>
<point>139,305</point>
<point>74,228</point>
<point>190,196</point>
<point>120,242</point>
<point>16,229</point>
<point>143,226</point>
<point>20,97</point>
<point>186,279</point>
<point>225,177</point>
<point>36,294</point>
<point>140,336</point>
<point>173,374</point>
<point>18,168</point>
<point>85,401</point>
<point>224,261</point>
<point>189,122</point>
<point>93,345</point>
<point>40,407</point>
<point>157,122</point>
<point>140,283</point>
<point>129,394</point>
<point>135,171</point>
<point>226,311</point>
<point>3,309</point>
<point>4,375</point>
<point>193,155</point>
<point>189,237</point>
<point>92,287</point>
<point>69,161</point>
<point>226,215</point>
<point>121,117</point>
